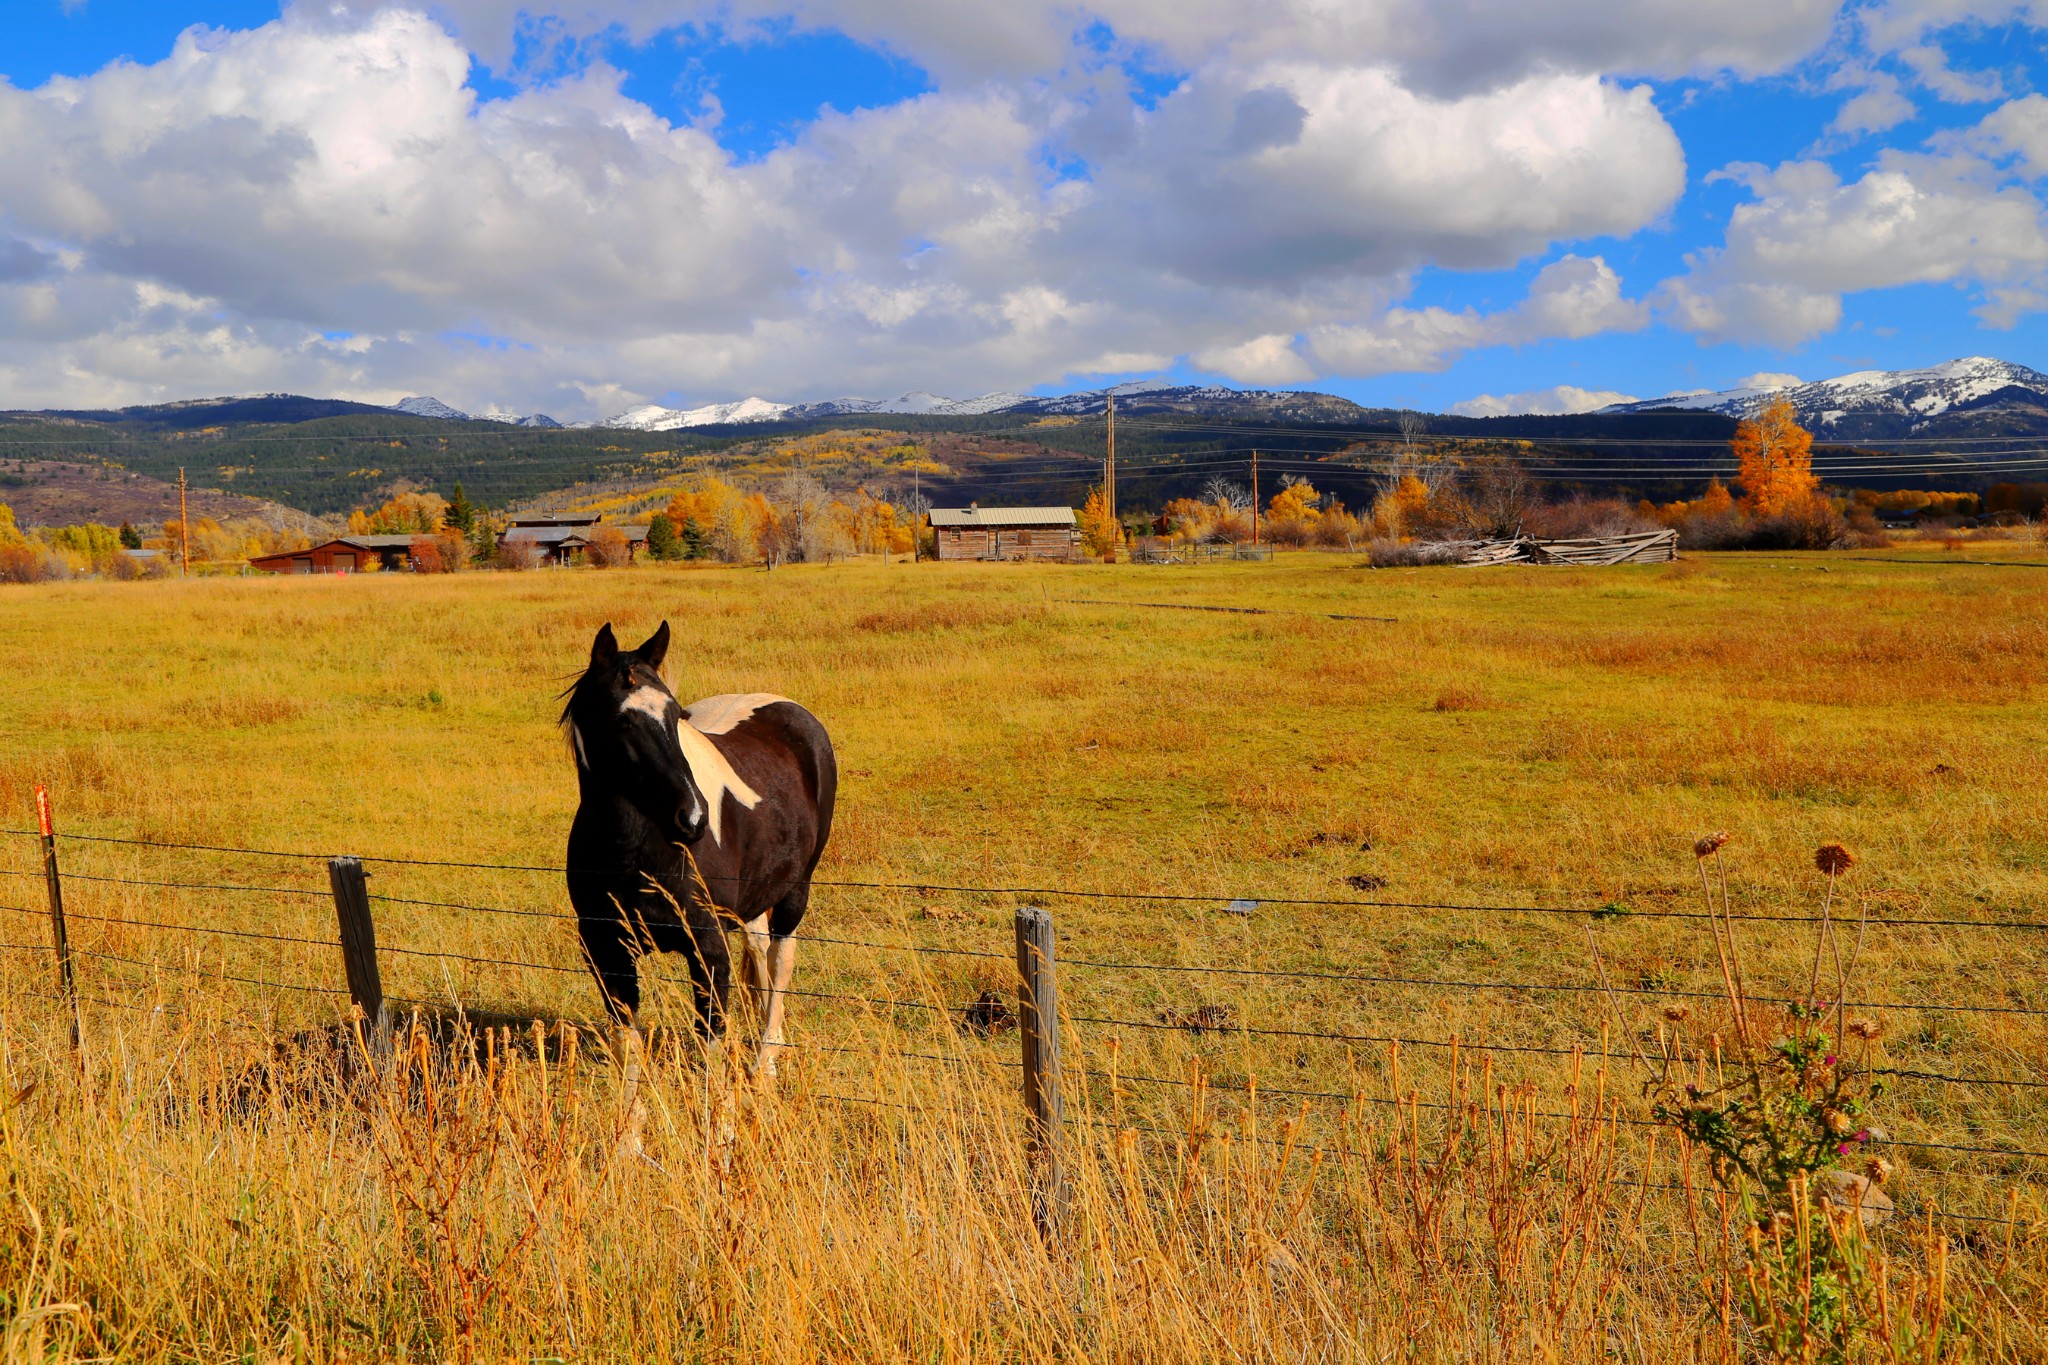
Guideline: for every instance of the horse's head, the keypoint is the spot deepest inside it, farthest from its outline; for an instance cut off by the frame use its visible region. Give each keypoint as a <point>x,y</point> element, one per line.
<point>621,720</point>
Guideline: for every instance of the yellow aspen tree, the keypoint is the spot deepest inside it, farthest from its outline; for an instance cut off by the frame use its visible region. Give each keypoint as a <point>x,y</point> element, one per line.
<point>1099,531</point>
<point>1775,456</point>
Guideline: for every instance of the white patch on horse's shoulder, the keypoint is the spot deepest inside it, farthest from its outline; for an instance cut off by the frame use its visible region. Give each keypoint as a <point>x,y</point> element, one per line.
<point>717,715</point>
<point>715,776</point>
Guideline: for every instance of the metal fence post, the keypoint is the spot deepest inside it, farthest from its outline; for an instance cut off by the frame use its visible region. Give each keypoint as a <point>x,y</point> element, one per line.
<point>1039,1020</point>
<point>54,886</point>
<point>359,950</point>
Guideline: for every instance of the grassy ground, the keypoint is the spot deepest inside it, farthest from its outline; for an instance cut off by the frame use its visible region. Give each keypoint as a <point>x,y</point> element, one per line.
<point>1537,738</point>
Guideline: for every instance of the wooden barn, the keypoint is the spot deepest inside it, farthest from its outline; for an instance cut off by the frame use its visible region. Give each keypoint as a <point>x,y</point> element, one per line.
<point>977,532</point>
<point>346,554</point>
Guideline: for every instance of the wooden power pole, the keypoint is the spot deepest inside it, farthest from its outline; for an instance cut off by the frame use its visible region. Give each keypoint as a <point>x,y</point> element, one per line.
<point>1255,497</point>
<point>1109,464</point>
<point>184,528</point>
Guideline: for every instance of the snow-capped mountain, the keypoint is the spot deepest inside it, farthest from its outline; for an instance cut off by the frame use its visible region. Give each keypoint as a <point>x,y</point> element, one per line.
<point>1881,404</point>
<point>429,407</point>
<point>654,417</point>
<point>1137,396</point>
<point>435,408</point>
<point>918,403</point>
<point>1143,396</point>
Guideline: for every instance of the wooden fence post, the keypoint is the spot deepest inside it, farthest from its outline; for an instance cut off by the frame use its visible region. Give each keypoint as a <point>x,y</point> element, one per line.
<point>1039,1020</point>
<point>54,887</point>
<point>359,950</point>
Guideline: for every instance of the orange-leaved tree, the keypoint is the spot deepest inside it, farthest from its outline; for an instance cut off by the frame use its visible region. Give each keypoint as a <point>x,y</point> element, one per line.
<point>1775,455</point>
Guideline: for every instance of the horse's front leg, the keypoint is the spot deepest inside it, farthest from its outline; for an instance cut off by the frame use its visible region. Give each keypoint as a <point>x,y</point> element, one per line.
<point>710,976</point>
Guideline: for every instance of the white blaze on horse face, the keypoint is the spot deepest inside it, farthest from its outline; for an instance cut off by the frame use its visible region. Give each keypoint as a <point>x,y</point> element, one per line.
<point>714,774</point>
<point>717,715</point>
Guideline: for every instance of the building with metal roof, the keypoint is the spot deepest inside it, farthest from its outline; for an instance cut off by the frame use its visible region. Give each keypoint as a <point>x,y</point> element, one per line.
<point>977,532</point>
<point>564,541</point>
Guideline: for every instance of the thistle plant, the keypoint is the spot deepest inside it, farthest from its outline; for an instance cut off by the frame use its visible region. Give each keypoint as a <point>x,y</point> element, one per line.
<point>1793,1103</point>
<point>1781,1124</point>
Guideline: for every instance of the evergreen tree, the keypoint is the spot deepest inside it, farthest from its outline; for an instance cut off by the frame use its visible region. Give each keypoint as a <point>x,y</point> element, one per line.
<point>131,539</point>
<point>461,513</point>
<point>696,545</point>
<point>483,538</point>
<point>662,542</point>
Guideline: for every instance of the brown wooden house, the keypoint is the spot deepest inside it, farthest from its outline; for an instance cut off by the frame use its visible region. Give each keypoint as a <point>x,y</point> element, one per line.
<point>345,554</point>
<point>977,532</point>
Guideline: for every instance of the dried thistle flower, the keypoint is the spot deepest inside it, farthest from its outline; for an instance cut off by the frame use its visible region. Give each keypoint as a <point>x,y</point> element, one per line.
<point>1676,1013</point>
<point>1833,859</point>
<point>1836,1122</point>
<point>1878,1169</point>
<point>1708,844</point>
<point>1866,1029</point>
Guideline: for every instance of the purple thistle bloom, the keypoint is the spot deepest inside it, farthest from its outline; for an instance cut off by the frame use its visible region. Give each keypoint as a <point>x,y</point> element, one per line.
<point>1831,1059</point>
<point>1842,1149</point>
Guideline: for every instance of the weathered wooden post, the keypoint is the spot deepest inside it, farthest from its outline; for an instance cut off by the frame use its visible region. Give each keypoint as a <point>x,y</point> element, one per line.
<point>53,885</point>
<point>1039,1028</point>
<point>359,951</point>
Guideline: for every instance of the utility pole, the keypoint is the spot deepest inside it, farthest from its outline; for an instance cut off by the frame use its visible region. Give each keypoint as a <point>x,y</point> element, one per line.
<point>1109,466</point>
<point>184,529</point>
<point>1255,497</point>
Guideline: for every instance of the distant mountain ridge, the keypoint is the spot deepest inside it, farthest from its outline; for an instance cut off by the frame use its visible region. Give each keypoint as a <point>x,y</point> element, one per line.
<point>1139,396</point>
<point>1975,395</point>
<point>1971,398</point>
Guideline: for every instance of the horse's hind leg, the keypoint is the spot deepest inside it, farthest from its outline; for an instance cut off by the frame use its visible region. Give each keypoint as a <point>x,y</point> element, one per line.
<point>781,962</point>
<point>779,935</point>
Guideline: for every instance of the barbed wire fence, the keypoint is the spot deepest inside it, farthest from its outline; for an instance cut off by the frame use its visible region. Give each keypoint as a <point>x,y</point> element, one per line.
<point>1030,969</point>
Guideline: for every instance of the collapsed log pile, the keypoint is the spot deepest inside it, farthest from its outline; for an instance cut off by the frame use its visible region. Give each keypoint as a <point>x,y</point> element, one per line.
<point>1646,547</point>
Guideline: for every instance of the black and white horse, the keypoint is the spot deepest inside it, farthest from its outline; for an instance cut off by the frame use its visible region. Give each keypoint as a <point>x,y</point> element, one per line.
<point>743,784</point>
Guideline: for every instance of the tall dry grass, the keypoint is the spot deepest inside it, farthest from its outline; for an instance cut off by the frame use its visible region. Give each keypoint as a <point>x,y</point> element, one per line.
<point>992,736</point>
<point>477,1203</point>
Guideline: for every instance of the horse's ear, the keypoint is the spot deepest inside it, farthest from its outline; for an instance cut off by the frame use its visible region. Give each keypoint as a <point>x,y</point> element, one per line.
<point>656,647</point>
<point>605,648</point>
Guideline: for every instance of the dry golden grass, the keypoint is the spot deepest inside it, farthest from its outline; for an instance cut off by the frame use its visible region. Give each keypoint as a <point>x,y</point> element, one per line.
<point>992,736</point>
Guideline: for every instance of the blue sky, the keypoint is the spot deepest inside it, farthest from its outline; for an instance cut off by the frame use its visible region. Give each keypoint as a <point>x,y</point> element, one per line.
<point>583,207</point>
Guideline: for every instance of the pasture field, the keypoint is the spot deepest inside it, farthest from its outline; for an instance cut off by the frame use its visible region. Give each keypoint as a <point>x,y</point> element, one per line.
<point>1434,789</point>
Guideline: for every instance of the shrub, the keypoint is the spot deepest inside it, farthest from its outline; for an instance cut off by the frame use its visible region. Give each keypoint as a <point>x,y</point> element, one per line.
<point>1388,553</point>
<point>455,551</point>
<point>609,548</point>
<point>29,563</point>
<point>1584,518</point>
<point>426,556</point>
<point>518,555</point>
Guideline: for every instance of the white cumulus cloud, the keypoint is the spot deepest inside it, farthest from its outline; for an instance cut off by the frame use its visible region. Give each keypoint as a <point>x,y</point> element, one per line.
<point>1808,237</point>
<point>1558,400</point>
<point>326,203</point>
